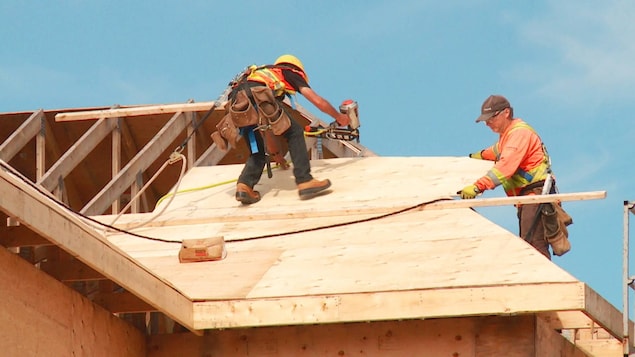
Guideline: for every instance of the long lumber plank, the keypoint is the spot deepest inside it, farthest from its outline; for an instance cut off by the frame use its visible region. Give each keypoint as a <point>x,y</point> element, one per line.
<point>517,200</point>
<point>135,111</point>
<point>205,215</point>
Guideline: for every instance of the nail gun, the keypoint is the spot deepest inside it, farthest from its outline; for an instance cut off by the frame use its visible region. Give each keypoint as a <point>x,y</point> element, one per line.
<point>333,131</point>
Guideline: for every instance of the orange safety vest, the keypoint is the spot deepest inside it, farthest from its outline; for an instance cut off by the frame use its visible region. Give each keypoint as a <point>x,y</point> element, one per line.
<point>521,159</point>
<point>272,76</point>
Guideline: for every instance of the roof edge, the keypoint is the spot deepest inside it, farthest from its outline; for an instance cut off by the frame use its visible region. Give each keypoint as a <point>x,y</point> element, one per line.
<point>391,305</point>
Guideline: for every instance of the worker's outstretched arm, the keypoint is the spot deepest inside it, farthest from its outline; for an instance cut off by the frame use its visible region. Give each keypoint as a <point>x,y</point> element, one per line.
<point>324,105</point>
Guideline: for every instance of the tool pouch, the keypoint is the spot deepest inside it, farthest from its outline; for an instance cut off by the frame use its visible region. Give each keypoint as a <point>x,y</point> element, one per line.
<point>555,221</point>
<point>242,111</point>
<point>272,112</point>
<point>227,133</point>
<point>220,142</point>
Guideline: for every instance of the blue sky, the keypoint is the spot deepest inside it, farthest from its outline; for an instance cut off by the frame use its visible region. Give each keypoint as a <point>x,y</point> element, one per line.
<point>418,69</point>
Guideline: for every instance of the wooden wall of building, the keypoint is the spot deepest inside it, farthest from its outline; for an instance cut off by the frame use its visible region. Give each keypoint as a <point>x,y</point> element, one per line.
<point>40,316</point>
<point>505,336</point>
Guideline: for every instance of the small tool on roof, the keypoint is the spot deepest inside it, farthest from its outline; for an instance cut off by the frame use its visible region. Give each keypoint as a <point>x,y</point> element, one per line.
<point>202,250</point>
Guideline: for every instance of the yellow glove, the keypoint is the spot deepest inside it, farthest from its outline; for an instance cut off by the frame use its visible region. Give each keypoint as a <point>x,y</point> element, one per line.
<point>477,155</point>
<point>469,192</point>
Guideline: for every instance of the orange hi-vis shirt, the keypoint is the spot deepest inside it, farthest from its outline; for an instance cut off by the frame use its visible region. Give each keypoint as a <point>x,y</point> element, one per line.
<point>521,159</point>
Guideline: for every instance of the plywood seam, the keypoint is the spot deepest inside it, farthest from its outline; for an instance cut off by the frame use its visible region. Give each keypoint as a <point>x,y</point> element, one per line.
<point>417,290</point>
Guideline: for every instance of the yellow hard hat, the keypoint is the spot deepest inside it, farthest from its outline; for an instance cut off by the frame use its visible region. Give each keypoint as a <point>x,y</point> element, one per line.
<point>291,59</point>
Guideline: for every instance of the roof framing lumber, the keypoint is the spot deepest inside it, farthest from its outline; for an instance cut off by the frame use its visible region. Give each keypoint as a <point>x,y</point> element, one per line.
<point>115,164</point>
<point>21,136</point>
<point>46,217</point>
<point>567,320</point>
<point>71,270</point>
<point>76,153</point>
<point>20,236</point>
<point>337,147</point>
<point>139,163</point>
<point>121,302</point>
<point>212,156</point>
<point>137,111</point>
<point>40,150</point>
<point>576,320</point>
<point>605,314</point>
<point>191,133</point>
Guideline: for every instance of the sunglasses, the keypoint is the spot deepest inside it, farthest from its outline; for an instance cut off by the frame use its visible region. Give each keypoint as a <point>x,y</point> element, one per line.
<point>494,116</point>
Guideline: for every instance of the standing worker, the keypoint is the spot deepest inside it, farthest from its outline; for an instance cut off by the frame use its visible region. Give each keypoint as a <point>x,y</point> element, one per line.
<point>259,97</point>
<point>522,167</point>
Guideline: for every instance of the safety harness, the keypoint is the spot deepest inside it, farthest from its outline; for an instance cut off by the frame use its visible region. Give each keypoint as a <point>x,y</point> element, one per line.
<point>272,77</point>
<point>521,178</point>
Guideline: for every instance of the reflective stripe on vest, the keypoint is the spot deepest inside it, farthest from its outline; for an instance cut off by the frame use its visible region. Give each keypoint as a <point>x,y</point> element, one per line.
<point>521,177</point>
<point>274,79</point>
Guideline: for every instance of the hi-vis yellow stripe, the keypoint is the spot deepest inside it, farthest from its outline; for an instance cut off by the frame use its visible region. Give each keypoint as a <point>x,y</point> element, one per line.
<point>266,76</point>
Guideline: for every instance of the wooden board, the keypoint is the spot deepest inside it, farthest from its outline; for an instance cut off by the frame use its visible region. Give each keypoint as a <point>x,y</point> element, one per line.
<point>357,250</point>
<point>135,111</point>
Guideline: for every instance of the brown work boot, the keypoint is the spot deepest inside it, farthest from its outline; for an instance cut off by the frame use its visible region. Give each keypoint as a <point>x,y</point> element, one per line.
<point>246,195</point>
<point>309,189</point>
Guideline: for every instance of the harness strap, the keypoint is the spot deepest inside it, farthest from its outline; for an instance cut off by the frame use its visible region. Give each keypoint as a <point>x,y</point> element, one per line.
<point>249,130</point>
<point>252,135</point>
<point>531,186</point>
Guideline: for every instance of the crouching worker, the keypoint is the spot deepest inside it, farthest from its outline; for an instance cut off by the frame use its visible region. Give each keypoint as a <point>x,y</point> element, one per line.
<point>523,168</point>
<point>256,109</point>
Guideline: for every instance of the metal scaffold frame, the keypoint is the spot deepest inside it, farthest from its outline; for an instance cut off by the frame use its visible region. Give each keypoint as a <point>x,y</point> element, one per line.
<point>629,281</point>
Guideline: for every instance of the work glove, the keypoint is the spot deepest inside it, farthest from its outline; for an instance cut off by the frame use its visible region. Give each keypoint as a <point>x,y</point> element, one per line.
<point>469,192</point>
<point>477,155</point>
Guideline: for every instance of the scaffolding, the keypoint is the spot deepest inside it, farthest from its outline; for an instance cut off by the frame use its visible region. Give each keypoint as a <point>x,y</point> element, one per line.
<point>629,281</point>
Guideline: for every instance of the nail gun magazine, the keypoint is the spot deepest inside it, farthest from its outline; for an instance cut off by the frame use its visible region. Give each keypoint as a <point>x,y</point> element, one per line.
<point>333,131</point>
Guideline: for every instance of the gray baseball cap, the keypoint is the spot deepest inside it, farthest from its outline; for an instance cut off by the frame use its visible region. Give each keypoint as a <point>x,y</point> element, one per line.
<point>492,105</point>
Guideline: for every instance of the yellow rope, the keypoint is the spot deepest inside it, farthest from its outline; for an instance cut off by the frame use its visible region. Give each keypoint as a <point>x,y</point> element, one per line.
<point>198,189</point>
<point>194,189</point>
